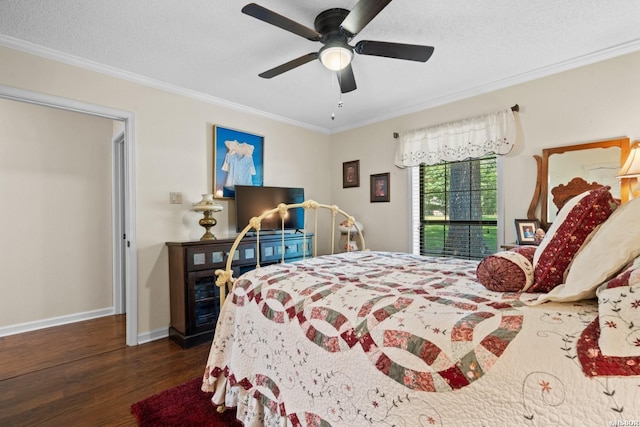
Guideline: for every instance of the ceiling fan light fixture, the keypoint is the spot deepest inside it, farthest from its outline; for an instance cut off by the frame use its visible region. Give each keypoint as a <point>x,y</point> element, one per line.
<point>335,28</point>
<point>336,57</point>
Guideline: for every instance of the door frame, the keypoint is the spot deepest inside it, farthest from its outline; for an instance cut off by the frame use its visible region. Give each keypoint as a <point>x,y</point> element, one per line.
<point>128,196</point>
<point>118,224</point>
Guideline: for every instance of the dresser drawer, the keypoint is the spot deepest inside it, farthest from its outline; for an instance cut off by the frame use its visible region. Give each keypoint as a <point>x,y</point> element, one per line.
<point>194,295</point>
<point>214,257</point>
<point>293,249</point>
<point>205,258</point>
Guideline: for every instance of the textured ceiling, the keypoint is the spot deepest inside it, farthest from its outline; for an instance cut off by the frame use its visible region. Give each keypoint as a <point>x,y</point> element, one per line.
<point>211,48</point>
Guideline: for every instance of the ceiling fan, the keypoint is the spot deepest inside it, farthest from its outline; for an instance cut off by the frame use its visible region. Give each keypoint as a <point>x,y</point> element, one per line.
<point>335,28</point>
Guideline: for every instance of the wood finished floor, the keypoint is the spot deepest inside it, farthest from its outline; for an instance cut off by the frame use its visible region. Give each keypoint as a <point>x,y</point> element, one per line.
<point>84,374</point>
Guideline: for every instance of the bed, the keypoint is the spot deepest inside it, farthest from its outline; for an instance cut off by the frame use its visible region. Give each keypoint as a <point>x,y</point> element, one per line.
<point>367,338</point>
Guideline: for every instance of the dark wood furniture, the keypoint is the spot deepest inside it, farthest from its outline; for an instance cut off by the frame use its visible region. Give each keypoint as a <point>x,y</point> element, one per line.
<point>194,296</point>
<point>563,193</point>
<point>508,246</point>
<point>542,195</point>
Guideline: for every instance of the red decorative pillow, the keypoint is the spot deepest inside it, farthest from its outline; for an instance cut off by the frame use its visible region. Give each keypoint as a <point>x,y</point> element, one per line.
<point>527,251</point>
<point>507,271</point>
<point>566,236</point>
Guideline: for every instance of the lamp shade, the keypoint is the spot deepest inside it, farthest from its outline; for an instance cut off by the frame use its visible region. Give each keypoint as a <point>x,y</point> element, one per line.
<point>207,204</point>
<point>336,57</point>
<point>631,167</point>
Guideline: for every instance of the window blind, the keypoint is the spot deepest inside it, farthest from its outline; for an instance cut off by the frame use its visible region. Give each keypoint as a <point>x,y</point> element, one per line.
<point>458,208</point>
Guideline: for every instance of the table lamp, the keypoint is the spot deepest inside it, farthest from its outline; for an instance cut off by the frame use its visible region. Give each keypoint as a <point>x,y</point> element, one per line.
<point>207,206</point>
<point>631,169</point>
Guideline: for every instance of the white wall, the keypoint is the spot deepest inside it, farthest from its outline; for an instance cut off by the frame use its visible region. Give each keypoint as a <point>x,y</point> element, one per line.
<point>55,170</point>
<point>174,153</point>
<point>174,150</point>
<point>594,102</point>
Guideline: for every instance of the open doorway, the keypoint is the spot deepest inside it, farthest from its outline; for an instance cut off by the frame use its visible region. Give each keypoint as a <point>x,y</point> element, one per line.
<point>122,241</point>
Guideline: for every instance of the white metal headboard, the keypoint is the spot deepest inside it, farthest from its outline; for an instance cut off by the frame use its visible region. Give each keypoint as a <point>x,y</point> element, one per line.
<point>225,277</point>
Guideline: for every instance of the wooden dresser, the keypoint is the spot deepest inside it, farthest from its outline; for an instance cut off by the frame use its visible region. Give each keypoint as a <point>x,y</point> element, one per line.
<point>194,296</point>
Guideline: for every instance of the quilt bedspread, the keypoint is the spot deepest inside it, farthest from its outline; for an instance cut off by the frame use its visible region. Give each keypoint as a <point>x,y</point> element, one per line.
<point>375,338</point>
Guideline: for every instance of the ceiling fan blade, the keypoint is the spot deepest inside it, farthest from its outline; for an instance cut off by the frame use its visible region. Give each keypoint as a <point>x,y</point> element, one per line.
<point>346,79</point>
<point>411,52</point>
<point>289,65</point>
<point>361,14</point>
<point>273,18</point>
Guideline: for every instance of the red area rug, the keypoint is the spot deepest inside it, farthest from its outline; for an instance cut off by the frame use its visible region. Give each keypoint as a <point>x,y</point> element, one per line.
<point>184,405</point>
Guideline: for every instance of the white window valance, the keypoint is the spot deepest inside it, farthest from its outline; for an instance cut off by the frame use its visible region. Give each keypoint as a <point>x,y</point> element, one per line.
<point>469,138</point>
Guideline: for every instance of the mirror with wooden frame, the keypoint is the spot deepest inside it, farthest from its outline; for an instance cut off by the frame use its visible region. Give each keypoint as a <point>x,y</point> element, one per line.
<point>564,172</point>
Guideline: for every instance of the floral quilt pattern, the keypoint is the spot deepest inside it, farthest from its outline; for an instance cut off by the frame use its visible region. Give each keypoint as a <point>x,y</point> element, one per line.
<point>369,338</point>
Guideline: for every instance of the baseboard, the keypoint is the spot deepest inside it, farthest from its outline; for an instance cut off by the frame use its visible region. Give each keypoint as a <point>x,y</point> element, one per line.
<point>146,337</point>
<point>55,321</point>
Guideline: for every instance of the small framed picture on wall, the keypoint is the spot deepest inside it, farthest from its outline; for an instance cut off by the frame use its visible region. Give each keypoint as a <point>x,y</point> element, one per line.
<point>380,187</point>
<point>351,174</point>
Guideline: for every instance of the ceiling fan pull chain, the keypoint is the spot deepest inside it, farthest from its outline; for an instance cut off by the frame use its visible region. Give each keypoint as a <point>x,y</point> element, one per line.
<point>340,84</point>
<point>340,103</point>
<point>333,87</point>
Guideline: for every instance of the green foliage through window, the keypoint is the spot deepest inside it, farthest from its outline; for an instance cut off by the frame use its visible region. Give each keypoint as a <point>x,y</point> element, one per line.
<point>458,208</point>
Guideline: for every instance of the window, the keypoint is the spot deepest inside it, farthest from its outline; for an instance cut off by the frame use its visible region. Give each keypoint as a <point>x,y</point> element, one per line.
<point>455,208</point>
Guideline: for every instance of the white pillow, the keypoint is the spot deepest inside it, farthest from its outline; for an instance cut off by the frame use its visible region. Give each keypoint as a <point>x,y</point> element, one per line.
<point>612,246</point>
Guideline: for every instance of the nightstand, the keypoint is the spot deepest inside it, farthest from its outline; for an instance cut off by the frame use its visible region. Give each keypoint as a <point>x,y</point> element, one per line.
<point>508,246</point>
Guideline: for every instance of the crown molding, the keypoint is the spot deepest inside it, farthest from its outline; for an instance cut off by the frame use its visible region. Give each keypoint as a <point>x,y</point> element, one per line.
<point>45,52</point>
<point>570,64</point>
<point>579,61</point>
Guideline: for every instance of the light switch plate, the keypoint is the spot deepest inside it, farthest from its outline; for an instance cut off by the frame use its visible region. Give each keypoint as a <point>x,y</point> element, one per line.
<point>175,198</point>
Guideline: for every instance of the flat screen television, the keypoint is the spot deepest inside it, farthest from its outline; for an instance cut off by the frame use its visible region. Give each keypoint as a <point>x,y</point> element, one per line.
<point>254,200</point>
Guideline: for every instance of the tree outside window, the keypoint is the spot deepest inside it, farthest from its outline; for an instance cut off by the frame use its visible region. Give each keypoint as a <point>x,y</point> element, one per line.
<point>458,208</point>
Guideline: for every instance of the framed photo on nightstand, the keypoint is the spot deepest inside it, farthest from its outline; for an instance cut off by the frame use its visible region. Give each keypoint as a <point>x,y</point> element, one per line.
<point>526,231</point>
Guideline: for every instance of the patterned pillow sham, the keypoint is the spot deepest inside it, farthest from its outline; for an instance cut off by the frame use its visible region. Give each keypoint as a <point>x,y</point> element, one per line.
<point>560,218</point>
<point>613,245</point>
<point>507,271</point>
<point>619,313</point>
<point>573,227</point>
<point>527,251</point>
